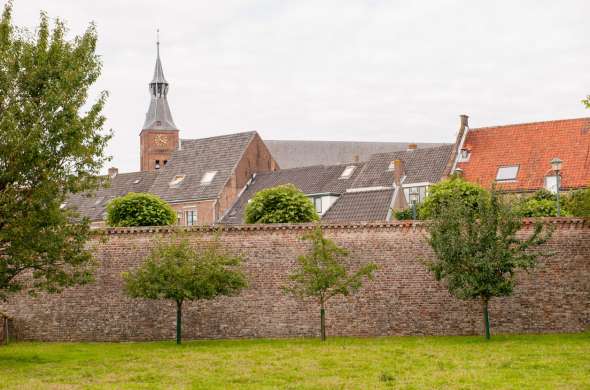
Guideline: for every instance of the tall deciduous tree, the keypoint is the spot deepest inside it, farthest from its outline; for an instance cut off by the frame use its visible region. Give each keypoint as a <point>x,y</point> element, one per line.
<point>323,274</point>
<point>51,144</point>
<point>179,272</point>
<point>478,250</point>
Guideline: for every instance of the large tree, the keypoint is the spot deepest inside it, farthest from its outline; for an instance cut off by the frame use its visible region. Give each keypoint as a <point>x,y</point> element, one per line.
<point>478,250</point>
<point>179,272</point>
<point>51,144</point>
<point>587,101</point>
<point>280,204</point>
<point>323,273</point>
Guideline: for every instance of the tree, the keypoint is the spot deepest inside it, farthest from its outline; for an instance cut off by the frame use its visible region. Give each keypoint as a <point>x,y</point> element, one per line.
<point>322,274</point>
<point>448,191</point>
<point>541,204</point>
<point>139,209</point>
<point>477,250</point>
<point>52,144</point>
<point>586,101</point>
<point>176,271</point>
<point>280,204</point>
<point>578,203</point>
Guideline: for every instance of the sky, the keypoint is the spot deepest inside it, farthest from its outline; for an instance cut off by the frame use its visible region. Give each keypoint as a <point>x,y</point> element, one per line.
<point>333,70</point>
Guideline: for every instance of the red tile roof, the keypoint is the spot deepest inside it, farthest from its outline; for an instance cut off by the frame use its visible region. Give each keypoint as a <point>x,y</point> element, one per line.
<point>530,146</point>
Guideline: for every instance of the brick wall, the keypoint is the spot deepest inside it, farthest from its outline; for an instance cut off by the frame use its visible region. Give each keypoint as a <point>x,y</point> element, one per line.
<point>402,300</point>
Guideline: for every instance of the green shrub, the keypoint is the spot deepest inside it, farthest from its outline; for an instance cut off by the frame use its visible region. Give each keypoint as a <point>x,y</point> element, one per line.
<point>139,209</point>
<point>541,204</point>
<point>578,203</point>
<point>407,214</point>
<point>280,204</point>
<point>442,194</point>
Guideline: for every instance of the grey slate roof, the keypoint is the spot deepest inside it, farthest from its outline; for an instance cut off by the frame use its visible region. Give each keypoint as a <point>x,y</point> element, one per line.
<point>94,206</point>
<point>421,165</point>
<point>194,159</point>
<point>292,154</point>
<point>310,180</point>
<point>363,206</point>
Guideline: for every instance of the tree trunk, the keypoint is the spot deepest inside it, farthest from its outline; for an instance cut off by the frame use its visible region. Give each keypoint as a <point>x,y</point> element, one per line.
<point>178,321</point>
<point>322,322</point>
<point>486,317</point>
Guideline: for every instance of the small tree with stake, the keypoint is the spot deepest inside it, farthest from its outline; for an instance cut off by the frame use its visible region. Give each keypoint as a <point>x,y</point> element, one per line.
<point>181,273</point>
<point>322,274</point>
<point>478,252</point>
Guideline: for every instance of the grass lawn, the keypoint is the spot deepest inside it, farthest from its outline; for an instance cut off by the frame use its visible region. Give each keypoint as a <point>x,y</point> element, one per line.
<point>506,362</point>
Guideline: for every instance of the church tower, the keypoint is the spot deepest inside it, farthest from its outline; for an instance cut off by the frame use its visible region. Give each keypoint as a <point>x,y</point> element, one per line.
<point>159,134</point>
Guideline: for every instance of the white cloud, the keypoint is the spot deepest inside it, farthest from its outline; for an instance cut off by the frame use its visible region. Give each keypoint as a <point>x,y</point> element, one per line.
<point>350,70</point>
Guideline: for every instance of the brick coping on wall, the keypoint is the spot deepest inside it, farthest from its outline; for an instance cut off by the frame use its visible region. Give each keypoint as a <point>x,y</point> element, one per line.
<point>572,222</point>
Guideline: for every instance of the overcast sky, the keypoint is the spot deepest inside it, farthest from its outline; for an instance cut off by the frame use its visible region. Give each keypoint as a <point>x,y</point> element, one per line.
<point>334,70</point>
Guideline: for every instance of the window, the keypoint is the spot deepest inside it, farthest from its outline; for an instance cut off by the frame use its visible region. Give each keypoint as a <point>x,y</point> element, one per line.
<point>391,166</point>
<point>347,172</point>
<point>208,177</point>
<point>551,183</point>
<point>165,162</point>
<point>191,217</point>
<point>418,193</point>
<point>175,182</point>
<point>507,173</point>
<point>179,218</point>
<point>317,202</point>
<point>464,155</point>
<point>157,164</point>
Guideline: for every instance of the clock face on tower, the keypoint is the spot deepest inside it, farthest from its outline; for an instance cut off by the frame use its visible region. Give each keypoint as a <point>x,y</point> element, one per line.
<point>161,140</point>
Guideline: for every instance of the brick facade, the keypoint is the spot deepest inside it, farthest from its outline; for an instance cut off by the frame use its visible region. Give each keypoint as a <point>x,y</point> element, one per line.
<point>402,300</point>
<point>156,146</point>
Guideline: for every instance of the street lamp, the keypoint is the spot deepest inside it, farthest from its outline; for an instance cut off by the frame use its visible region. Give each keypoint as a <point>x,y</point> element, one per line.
<point>414,197</point>
<point>556,166</point>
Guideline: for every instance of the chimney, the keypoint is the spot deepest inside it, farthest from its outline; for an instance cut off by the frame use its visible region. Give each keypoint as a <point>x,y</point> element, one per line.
<point>398,172</point>
<point>113,172</point>
<point>464,122</point>
<point>412,147</point>
<point>355,158</point>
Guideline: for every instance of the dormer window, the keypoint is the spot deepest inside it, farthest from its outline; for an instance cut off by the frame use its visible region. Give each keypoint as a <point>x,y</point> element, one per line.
<point>208,177</point>
<point>347,172</point>
<point>551,183</point>
<point>391,166</point>
<point>98,200</point>
<point>464,155</point>
<point>136,181</point>
<point>175,182</point>
<point>507,173</point>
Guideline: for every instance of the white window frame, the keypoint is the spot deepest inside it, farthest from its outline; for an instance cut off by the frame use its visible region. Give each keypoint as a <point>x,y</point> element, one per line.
<point>208,177</point>
<point>348,172</point>
<point>193,220</point>
<point>507,168</point>
<point>551,188</point>
<point>175,182</point>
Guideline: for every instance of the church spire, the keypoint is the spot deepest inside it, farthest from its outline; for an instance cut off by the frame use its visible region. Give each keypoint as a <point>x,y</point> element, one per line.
<point>158,116</point>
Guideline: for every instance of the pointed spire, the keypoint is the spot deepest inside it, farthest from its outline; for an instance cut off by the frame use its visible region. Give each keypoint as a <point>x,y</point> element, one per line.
<point>159,116</point>
<point>158,71</point>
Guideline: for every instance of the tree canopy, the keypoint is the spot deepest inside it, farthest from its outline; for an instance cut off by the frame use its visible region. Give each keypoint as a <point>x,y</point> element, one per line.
<point>52,144</point>
<point>140,209</point>
<point>447,192</point>
<point>541,204</point>
<point>323,273</point>
<point>280,204</point>
<point>477,249</point>
<point>578,203</point>
<point>179,272</point>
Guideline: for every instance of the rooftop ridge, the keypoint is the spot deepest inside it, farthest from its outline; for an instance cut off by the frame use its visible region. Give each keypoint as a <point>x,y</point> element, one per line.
<point>530,123</point>
<point>218,136</point>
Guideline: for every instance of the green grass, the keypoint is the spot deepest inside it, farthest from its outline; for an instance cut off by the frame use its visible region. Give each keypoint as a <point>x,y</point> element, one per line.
<point>505,362</point>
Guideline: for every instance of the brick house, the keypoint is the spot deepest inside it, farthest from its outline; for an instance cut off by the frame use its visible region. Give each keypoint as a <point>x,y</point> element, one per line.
<point>359,191</point>
<point>516,158</point>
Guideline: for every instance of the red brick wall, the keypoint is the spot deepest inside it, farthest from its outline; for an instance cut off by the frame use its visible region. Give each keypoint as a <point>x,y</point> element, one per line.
<point>402,300</point>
